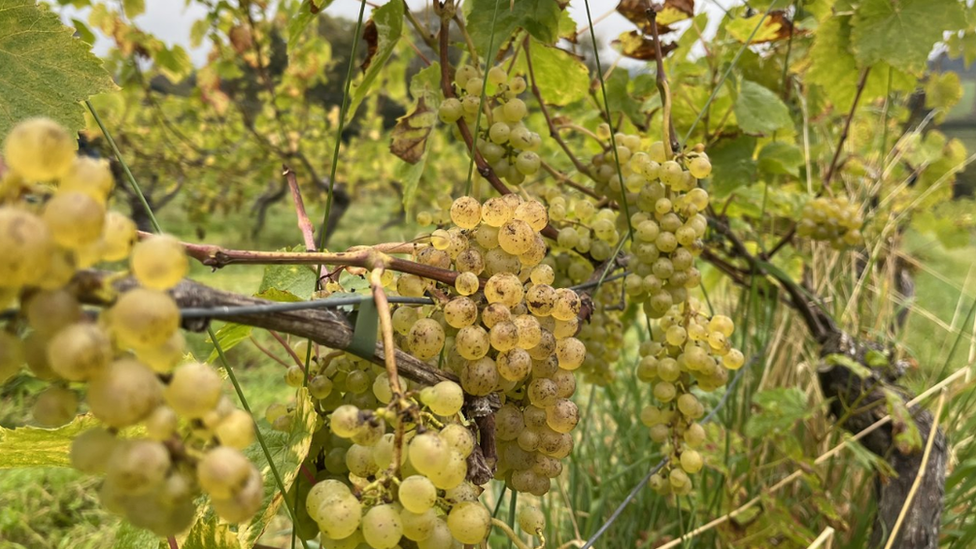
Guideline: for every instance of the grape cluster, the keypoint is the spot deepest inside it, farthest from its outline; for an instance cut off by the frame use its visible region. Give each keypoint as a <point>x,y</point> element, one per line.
<point>53,222</point>
<point>394,467</point>
<point>834,220</point>
<point>504,142</point>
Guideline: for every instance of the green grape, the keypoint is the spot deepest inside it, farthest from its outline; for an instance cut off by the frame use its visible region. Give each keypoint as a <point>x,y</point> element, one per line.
<point>469,522</point>
<point>533,213</point>
<point>678,478</point>
<point>143,318</point>
<point>528,163</point>
<point>320,387</point>
<point>565,383</point>
<point>546,347</point>
<point>515,237</point>
<point>161,423</point>
<point>426,338</point>
<point>721,324</point>
<point>322,492</point>
<point>500,261</point>
<point>508,422</point>
<point>529,331</point>
<point>541,299</point>
<point>124,394</point>
<point>691,461</point>
<point>74,219</point>
<point>504,336</point>
<point>222,471</point>
<point>440,537</point>
<point>570,352</point>
<point>542,275</point>
<point>346,421</point>
<point>360,462</point>
<point>79,352</point>
<point>91,449</point>
<point>39,149</point>
<point>49,311</point>
<point>452,474</point>
<point>514,110</point>
<point>499,133</point>
<point>27,246</point>
<point>733,360</point>
<point>12,356</point>
<point>562,416</point>
<point>418,526</point>
<point>479,377</point>
<point>466,212</point>
<point>467,283</point>
<point>542,392</point>
<point>428,453</point>
<point>339,517</point>
<point>495,212</point>
<point>664,391</point>
<point>417,494</point>
<point>91,176</point>
<point>159,262</point>
<point>470,260</point>
<point>403,319</point>
<point>494,314</point>
<point>531,520</point>
<point>460,312</point>
<point>513,364</point>
<point>245,502</point>
<point>137,466</point>
<point>194,390</point>
<point>566,305</point>
<point>450,111</point>
<point>472,342</point>
<point>164,358</point>
<point>504,288</point>
<point>55,406</point>
<point>236,430</point>
<point>459,438</point>
<point>444,399</point>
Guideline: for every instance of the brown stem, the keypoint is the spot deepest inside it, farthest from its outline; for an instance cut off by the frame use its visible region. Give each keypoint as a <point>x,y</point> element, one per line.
<point>386,327</point>
<point>670,137</point>
<point>267,352</point>
<point>566,179</point>
<point>294,356</point>
<point>304,224</point>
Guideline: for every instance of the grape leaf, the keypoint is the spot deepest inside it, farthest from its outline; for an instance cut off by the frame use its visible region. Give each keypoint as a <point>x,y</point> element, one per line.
<point>782,408</point>
<point>780,158</point>
<point>307,12</point>
<point>209,532</point>
<point>128,536</point>
<point>760,111</point>
<point>561,76</point>
<point>943,91</point>
<point>409,175</point>
<point>229,335</point>
<point>44,70</point>
<point>411,130</point>
<point>621,100</point>
<point>732,165</point>
<point>772,27</point>
<point>37,447</point>
<point>388,24</point>
<point>902,33</point>
<point>540,18</point>
<point>298,280</point>
<point>133,8</point>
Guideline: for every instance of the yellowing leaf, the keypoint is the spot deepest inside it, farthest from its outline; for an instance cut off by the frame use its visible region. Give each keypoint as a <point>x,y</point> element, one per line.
<point>772,27</point>
<point>36,447</point>
<point>44,70</point>
<point>562,77</point>
<point>943,91</point>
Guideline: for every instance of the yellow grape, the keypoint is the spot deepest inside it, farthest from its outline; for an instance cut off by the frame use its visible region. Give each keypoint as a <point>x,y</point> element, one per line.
<point>75,219</point>
<point>143,318</point>
<point>159,262</point>
<point>89,176</point>
<point>39,149</point>
<point>27,247</point>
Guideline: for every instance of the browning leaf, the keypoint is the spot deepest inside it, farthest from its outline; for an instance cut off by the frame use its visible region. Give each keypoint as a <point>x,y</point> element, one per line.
<point>411,131</point>
<point>636,12</point>
<point>637,46</point>
<point>775,27</point>
<point>676,10</point>
<point>371,36</point>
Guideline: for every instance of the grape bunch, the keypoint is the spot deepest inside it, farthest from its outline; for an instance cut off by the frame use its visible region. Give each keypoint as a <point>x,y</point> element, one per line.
<point>127,358</point>
<point>504,141</point>
<point>391,467</point>
<point>834,220</point>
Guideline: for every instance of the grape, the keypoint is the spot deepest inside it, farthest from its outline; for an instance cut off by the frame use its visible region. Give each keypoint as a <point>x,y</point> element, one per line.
<point>444,399</point>
<point>452,474</point>
<point>467,283</point>
<point>161,423</point>
<point>664,391</point>
<point>137,466</point>
<point>513,364</point>
<point>50,311</point>
<point>466,212</point>
<point>499,132</point>
<point>428,453</point>
<point>459,438</point>
<point>495,212</point>
<point>528,162</point>
<point>529,331</point>
<point>470,260</point>
<point>694,435</point>
<point>562,416</point>
<point>27,246</point>
<point>533,213</point>
<point>504,336</point>
<point>542,392</point>
<point>508,422</point>
<point>143,318</point>
<point>440,537</point>
<point>515,236</point>
<point>469,522</point>
<point>91,176</point>
<point>74,219</point>
<point>323,492</point>
<point>691,461</point>
<point>504,288</point>
<point>91,449</point>
<point>79,352</point>
<point>515,110</point>
<point>531,519</point>
<point>460,312</point>
<point>417,494</point>
<point>450,111</point>
<point>479,377</point>
<point>566,305</point>
<point>124,394</point>
<point>55,406</point>
<point>339,517</point>
<point>418,526</point>
<point>223,471</point>
<point>570,352</point>
<point>494,314</point>
<point>236,430</point>
<point>245,502</point>
<point>426,338</point>
<point>733,360</point>
<point>39,149</point>
<point>159,262</point>
<point>193,390</point>
<point>360,462</point>
<point>346,421</point>
<point>164,358</point>
<point>11,356</point>
<point>472,342</point>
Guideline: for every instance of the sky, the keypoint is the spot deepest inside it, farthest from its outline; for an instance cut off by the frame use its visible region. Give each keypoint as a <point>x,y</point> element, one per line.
<point>170,21</point>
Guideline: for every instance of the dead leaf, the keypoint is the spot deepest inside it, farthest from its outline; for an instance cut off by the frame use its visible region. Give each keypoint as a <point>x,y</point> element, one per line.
<point>371,36</point>
<point>676,10</point>
<point>411,132</point>
<point>240,38</point>
<point>637,46</point>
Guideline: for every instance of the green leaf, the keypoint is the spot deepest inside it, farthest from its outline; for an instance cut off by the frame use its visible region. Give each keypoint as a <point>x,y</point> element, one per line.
<point>133,8</point>
<point>36,447</point>
<point>760,111</point>
<point>902,33</point>
<point>905,430</point>
<point>782,408</point>
<point>540,18</point>
<point>288,451</point>
<point>44,70</point>
<point>297,280</point>
<point>732,165</point>
<point>175,62</point>
<point>83,31</point>
<point>943,91</point>
<point>780,158</point>
<point>307,12</point>
<point>854,366</point>
<point>410,175</point>
<point>621,100</point>
<point>229,335</point>
<point>561,76</point>
<point>388,21</point>
<point>208,532</point>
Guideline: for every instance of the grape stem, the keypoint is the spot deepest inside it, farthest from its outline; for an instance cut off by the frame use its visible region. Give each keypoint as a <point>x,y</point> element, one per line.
<point>386,327</point>
<point>507,530</point>
<point>670,137</point>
